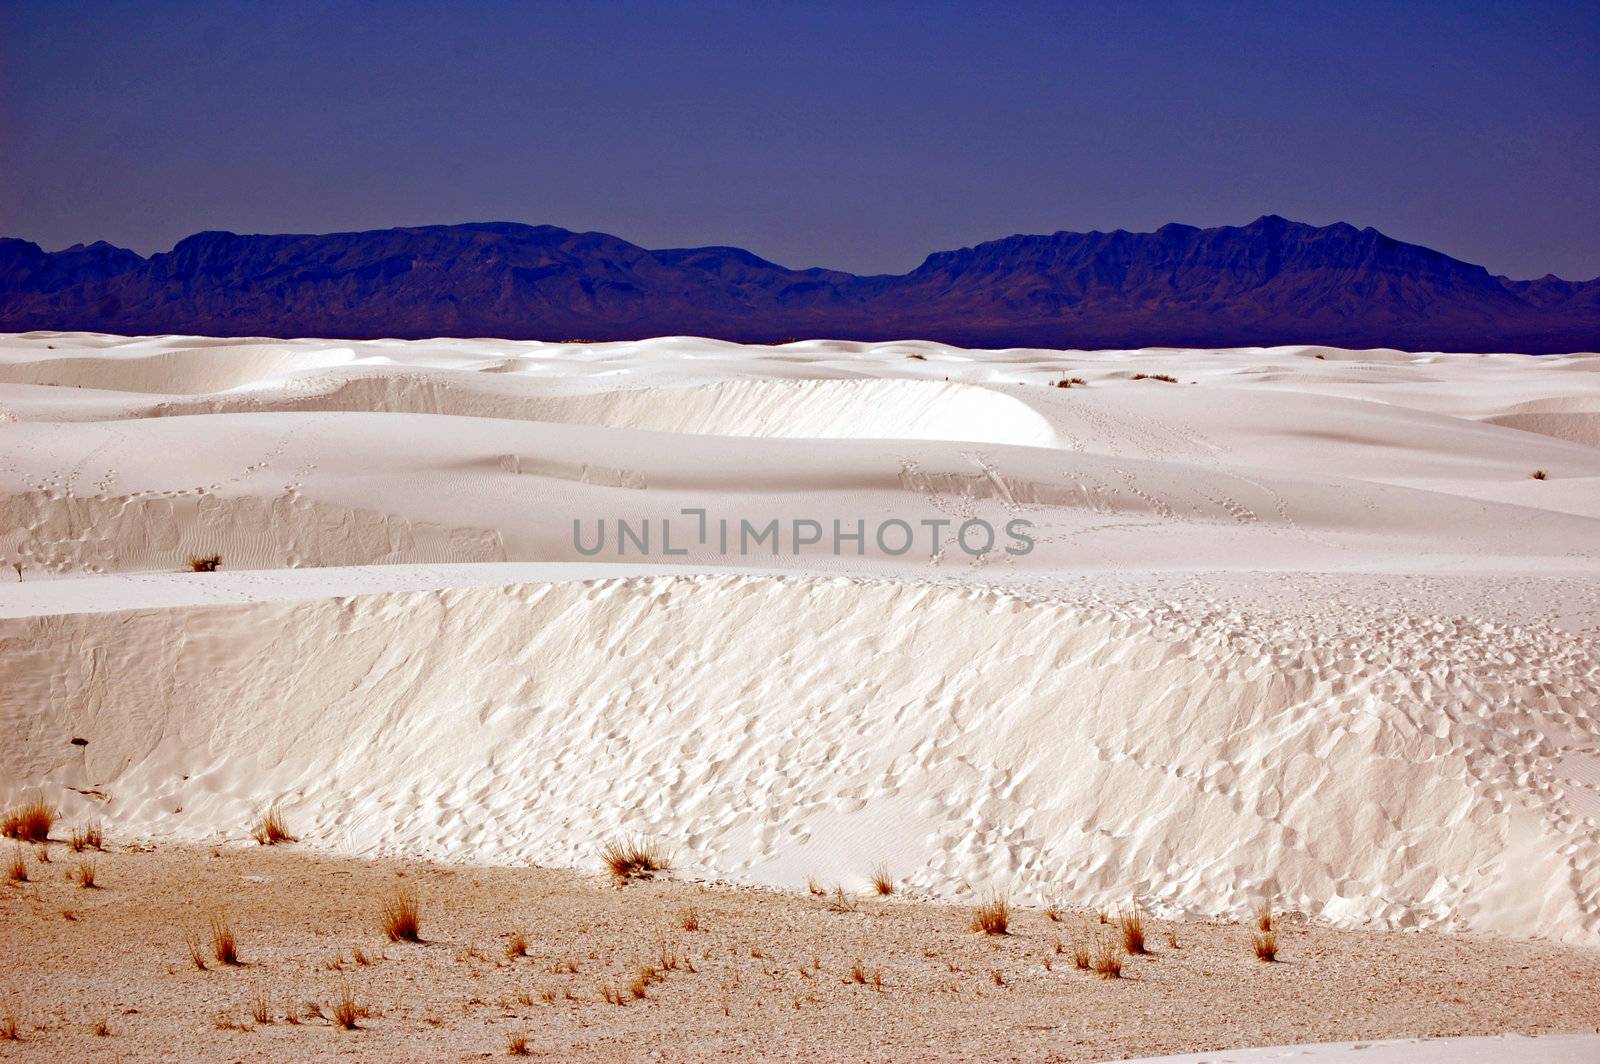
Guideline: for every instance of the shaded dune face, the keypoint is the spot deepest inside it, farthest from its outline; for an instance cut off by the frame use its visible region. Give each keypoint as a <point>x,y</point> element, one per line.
<point>1298,622</point>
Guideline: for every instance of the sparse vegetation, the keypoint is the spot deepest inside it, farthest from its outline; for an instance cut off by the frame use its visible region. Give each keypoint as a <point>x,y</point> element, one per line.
<point>261,1008</point>
<point>689,919</point>
<point>1539,474</point>
<point>1131,923</point>
<point>85,875</point>
<point>633,859</point>
<point>197,956</point>
<point>9,1031</point>
<point>224,946</point>
<point>401,916</point>
<point>346,1012</point>
<point>814,887</point>
<point>882,882</point>
<point>87,837</point>
<point>1069,382</point>
<point>1264,940</point>
<point>17,869</point>
<point>1155,377</point>
<point>518,946</point>
<point>517,1045</point>
<point>102,1028</point>
<point>270,830</point>
<point>842,902</point>
<point>1107,959</point>
<point>993,915</point>
<point>1080,952</point>
<point>30,822</point>
<point>206,564</point>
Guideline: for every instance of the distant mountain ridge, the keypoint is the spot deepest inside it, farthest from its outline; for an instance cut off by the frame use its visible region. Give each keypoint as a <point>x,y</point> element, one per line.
<point>1273,281</point>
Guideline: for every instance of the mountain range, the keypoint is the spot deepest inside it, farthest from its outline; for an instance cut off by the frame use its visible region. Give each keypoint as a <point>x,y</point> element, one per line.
<point>1273,281</point>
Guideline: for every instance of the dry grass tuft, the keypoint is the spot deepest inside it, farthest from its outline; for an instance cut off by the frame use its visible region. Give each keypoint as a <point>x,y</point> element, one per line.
<point>401,917</point>
<point>1265,921</point>
<point>102,1028</point>
<point>345,1011</point>
<point>1068,382</point>
<point>1265,944</point>
<point>87,837</point>
<point>270,830</point>
<point>9,1031</point>
<point>207,564</point>
<point>993,915</point>
<point>1172,938</point>
<point>1155,377</point>
<point>223,944</point>
<point>858,973</point>
<point>43,853</point>
<point>689,919</point>
<point>1539,474</point>
<point>197,956</point>
<point>1131,923</point>
<point>85,875</point>
<point>842,902</point>
<point>518,946</point>
<point>1080,952</point>
<point>1107,959</point>
<point>17,869</point>
<point>629,859</point>
<point>815,888</point>
<point>29,822</point>
<point>261,1009</point>
<point>882,882</point>
<point>517,1045</point>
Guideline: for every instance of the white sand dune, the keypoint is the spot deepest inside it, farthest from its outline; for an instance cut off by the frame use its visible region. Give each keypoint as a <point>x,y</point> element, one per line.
<point>1552,1049</point>
<point>1302,624</point>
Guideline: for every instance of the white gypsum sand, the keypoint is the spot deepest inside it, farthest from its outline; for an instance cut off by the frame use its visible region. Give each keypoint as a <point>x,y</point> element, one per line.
<point>1301,624</point>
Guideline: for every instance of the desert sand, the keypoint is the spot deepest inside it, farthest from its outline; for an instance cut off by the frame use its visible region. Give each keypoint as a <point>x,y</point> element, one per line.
<point>1301,624</point>
<point>615,974</point>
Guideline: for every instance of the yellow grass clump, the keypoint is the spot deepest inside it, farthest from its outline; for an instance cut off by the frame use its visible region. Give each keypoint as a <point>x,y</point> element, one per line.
<point>628,859</point>
<point>993,915</point>
<point>29,822</point>
<point>1131,923</point>
<point>1107,960</point>
<point>882,882</point>
<point>270,830</point>
<point>401,916</point>
<point>345,1011</point>
<point>87,837</point>
<point>224,946</point>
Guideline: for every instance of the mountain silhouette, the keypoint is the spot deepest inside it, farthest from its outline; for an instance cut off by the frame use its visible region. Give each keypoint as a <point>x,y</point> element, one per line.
<point>1273,281</point>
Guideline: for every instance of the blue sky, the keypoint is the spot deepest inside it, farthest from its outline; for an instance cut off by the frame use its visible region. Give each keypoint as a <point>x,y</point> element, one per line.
<point>858,136</point>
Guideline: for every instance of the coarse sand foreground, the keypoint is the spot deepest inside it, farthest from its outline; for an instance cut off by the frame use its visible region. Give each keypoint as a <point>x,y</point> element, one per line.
<point>691,971</point>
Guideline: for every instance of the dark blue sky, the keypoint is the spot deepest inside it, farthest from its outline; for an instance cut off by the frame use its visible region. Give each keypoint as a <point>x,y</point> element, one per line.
<point>859,135</point>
